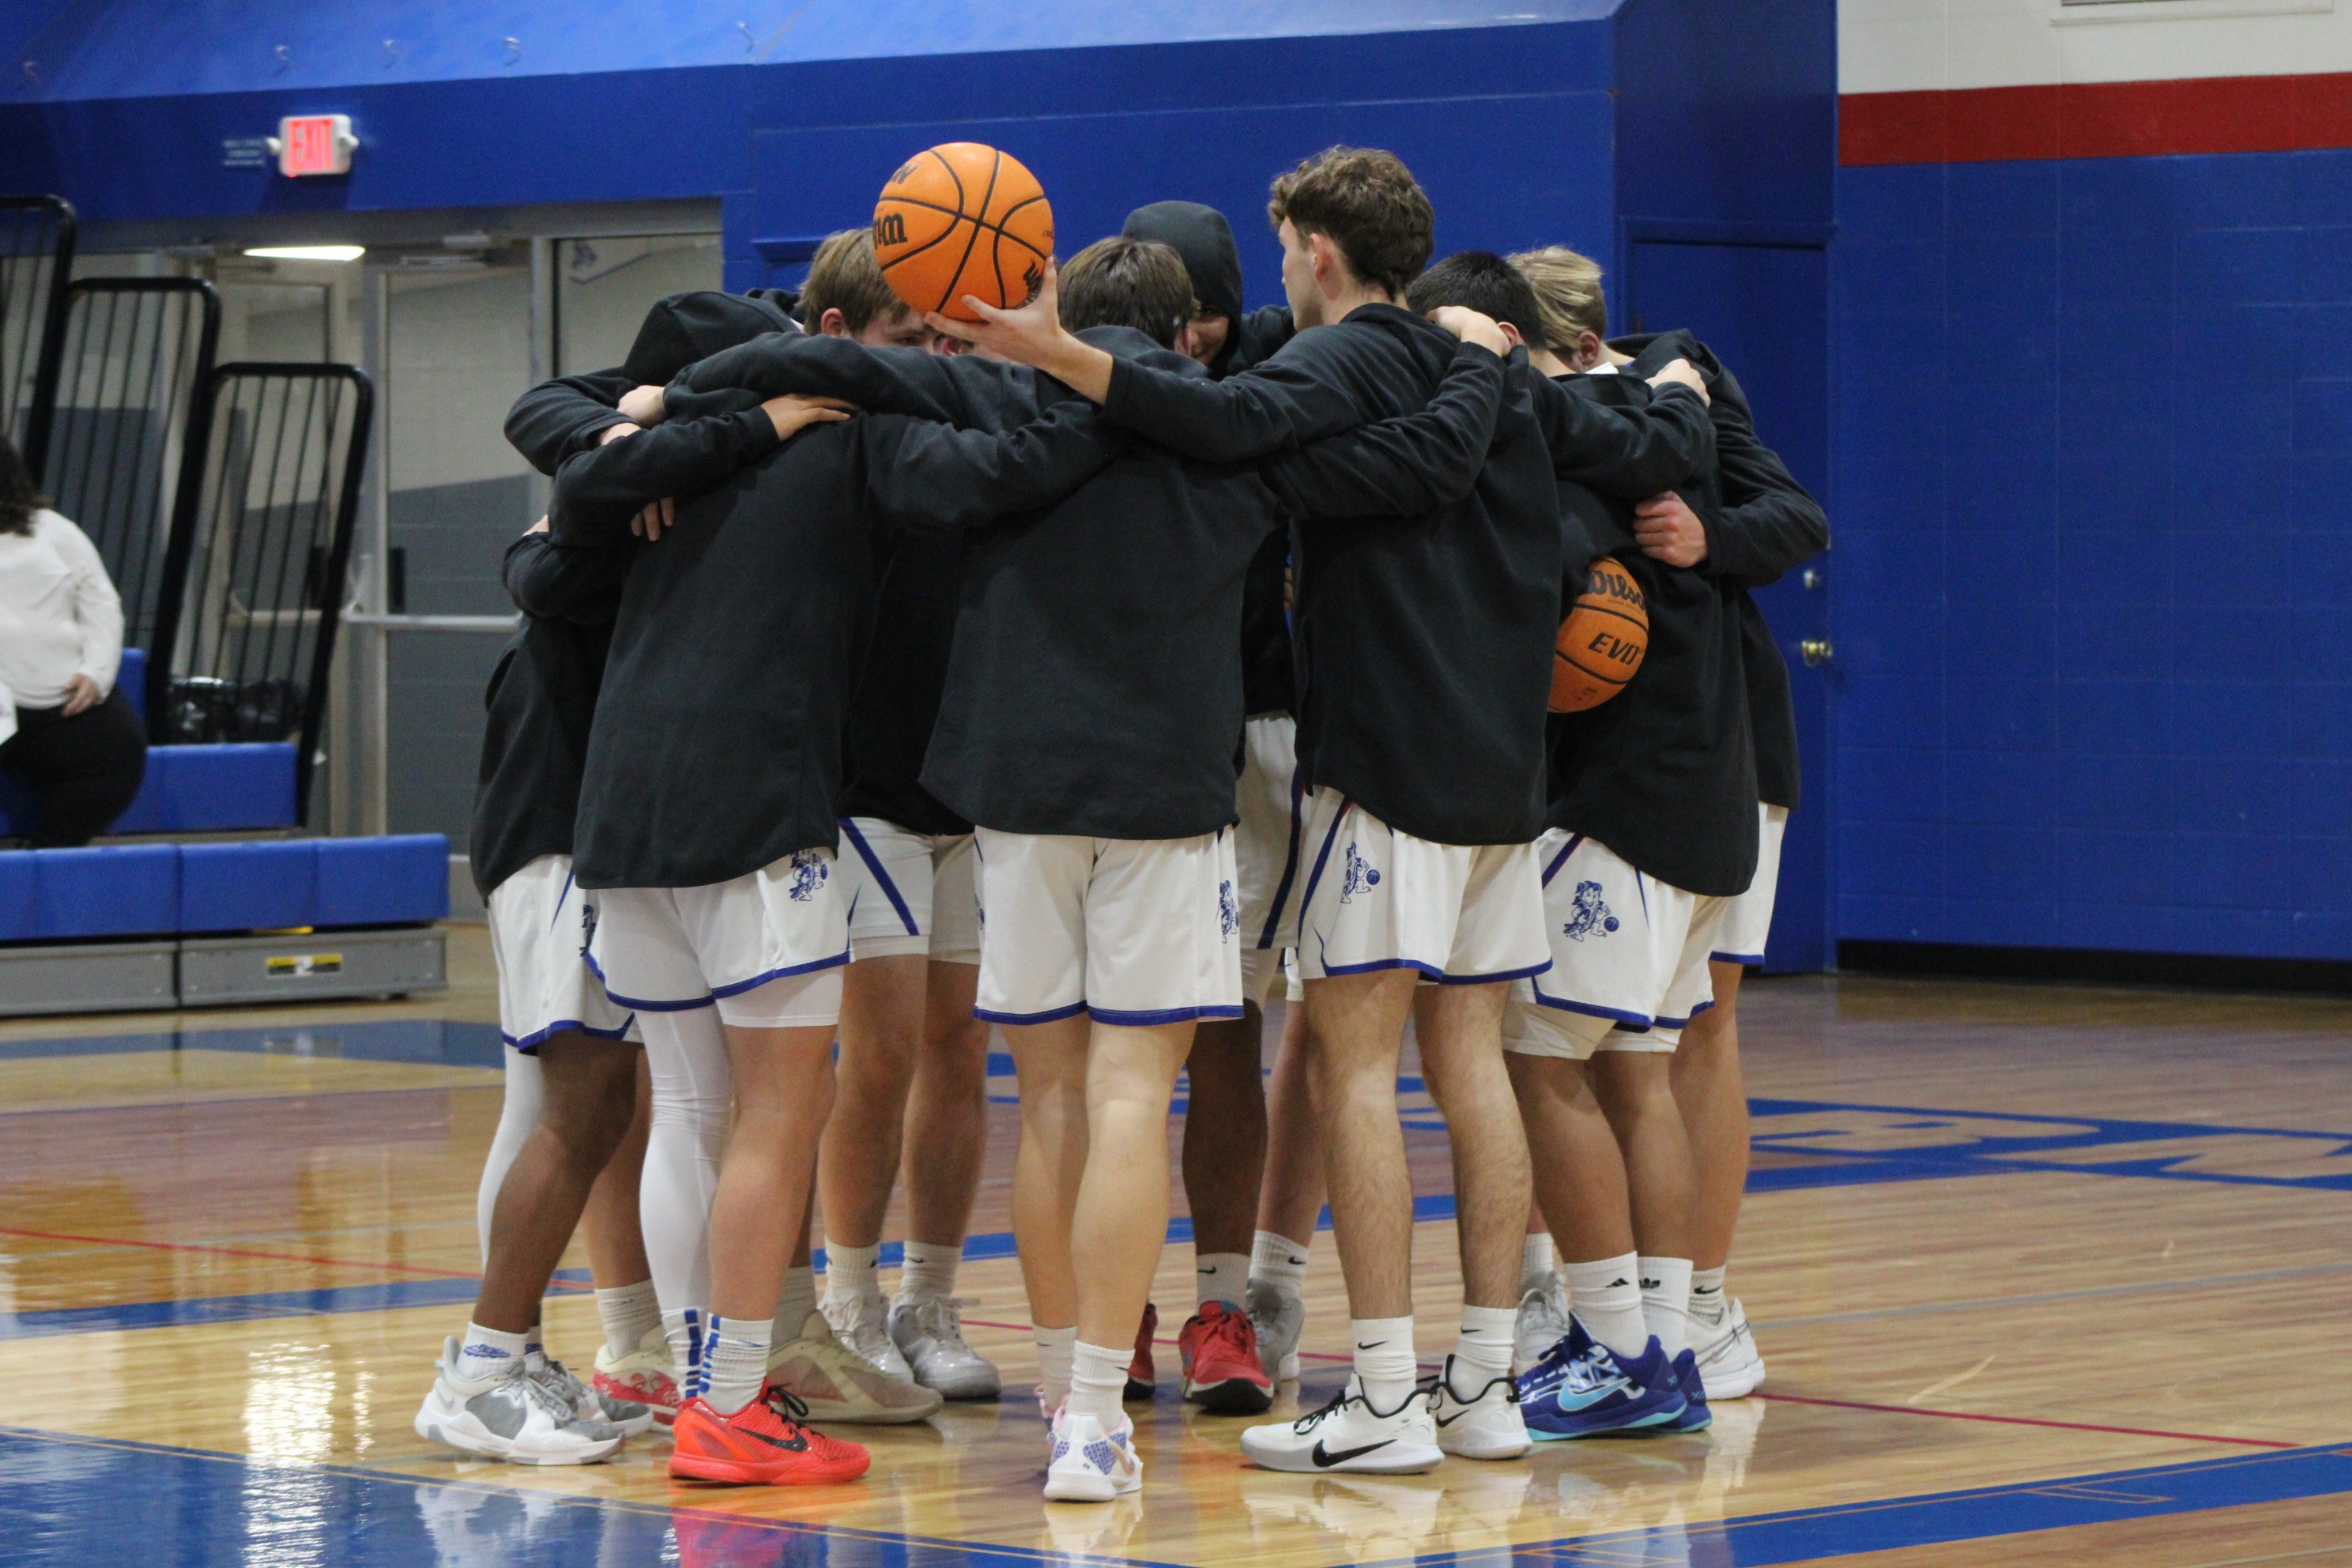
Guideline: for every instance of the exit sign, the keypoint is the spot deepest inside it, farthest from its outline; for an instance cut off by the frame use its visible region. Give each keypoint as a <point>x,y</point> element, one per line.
<point>314,144</point>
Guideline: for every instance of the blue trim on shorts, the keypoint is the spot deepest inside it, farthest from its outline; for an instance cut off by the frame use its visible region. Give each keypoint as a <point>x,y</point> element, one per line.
<point>1561,858</point>
<point>1561,1003</point>
<point>1165,1015</point>
<point>559,902</point>
<point>711,998</point>
<point>1016,1019</point>
<point>1322,858</point>
<point>1684,1023</point>
<point>529,1045</point>
<point>1290,860</point>
<point>1507,974</point>
<point>1735,958</point>
<point>873,863</point>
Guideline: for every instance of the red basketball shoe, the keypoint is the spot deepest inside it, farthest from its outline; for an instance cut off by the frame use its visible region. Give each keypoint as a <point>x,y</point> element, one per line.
<point>762,1445</point>
<point>1141,1376</point>
<point>1221,1370</point>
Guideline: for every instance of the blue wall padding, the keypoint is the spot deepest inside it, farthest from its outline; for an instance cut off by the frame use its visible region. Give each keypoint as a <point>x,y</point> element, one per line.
<point>189,789</point>
<point>130,679</point>
<point>19,895</point>
<point>383,882</point>
<point>248,887</point>
<point>124,890</point>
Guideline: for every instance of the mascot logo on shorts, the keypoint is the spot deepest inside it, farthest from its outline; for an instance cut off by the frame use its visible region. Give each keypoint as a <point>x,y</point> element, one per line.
<point>587,926</point>
<point>1229,911</point>
<point>1359,876</point>
<point>1591,914</point>
<point>809,871</point>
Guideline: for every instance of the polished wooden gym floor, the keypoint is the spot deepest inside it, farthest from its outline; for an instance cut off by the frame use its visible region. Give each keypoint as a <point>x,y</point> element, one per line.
<point>2043,1275</point>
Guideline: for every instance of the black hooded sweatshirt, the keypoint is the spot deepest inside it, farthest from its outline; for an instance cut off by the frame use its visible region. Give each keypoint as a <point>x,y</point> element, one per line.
<point>1092,688</point>
<point>1205,240</point>
<point>1663,773</point>
<point>1766,524</point>
<point>1424,639</point>
<point>543,693</point>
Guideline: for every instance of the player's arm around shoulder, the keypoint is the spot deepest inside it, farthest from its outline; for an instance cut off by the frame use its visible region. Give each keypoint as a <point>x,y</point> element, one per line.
<point>924,473</point>
<point>1768,522</point>
<point>1407,465</point>
<point>559,418</point>
<point>547,580</point>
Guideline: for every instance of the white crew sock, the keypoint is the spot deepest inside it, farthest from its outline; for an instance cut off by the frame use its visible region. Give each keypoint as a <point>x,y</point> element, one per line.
<point>794,1302</point>
<point>1606,1297</point>
<point>1281,1263</point>
<point>1098,1381</point>
<point>534,1347</point>
<point>849,1273</point>
<point>1055,1350</point>
<point>684,1328</point>
<point>1220,1277</point>
<point>1384,1360</point>
<point>1484,1349</point>
<point>1535,1262</point>
<point>488,1353</point>
<point>1665,1301</point>
<point>737,1361</point>
<point>627,1313</point>
<point>1708,1301</point>
<point>929,1273</point>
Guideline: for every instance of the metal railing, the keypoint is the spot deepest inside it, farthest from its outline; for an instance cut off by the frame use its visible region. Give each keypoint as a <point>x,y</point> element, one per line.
<point>37,247</point>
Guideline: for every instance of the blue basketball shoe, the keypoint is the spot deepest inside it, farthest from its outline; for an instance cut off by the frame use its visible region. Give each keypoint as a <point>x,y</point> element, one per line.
<point>1582,1390</point>
<point>1682,1378</point>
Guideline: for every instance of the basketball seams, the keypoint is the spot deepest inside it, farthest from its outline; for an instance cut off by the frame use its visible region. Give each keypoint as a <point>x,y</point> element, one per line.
<point>944,234</point>
<point>1613,612</point>
<point>918,196</point>
<point>996,163</point>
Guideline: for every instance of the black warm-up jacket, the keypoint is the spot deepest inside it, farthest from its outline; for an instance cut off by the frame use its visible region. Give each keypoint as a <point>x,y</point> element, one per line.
<point>1094,685</point>
<point>1768,524</point>
<point>1663,773</point>
<point>717,740</point>
<point>1424,639</point>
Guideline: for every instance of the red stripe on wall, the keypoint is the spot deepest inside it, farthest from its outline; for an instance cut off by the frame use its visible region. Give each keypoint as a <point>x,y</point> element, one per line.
<point>2097,120</point>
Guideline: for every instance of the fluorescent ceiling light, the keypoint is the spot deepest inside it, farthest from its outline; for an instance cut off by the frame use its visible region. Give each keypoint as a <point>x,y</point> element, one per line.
<point>309,252</point>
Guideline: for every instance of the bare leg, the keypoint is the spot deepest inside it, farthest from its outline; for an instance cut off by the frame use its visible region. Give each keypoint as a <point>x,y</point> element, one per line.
<point>1051,1061</point>
<point>1355,1029</point>
<point>783,1089</point>
<point>946,1112</point>
<point>1291,1196</point>
<point>1224,1131</point>
<point>589,1086</point>
<point>609,1225</point>
<point>882,1008</point>
<point>1460,1031</point>
<point>1713,1096</point>
<point>1580,1174</point>
<point>1636,1093</point>
<point>1121,1220</point>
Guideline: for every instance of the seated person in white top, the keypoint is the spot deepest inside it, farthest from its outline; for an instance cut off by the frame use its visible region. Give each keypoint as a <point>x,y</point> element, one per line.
<point>67,731</point>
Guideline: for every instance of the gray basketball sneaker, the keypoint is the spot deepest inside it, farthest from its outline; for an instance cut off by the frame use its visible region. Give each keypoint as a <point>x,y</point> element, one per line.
<point>1279,1319</point>
<point>930,1334</point>
<point>510,1416</point>
<point>589,1403</point>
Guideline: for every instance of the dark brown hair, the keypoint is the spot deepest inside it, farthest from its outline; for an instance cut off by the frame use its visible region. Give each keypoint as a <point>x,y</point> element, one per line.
<point>1368,203</point>
<point>20,497</point>
<point>1122,282</point>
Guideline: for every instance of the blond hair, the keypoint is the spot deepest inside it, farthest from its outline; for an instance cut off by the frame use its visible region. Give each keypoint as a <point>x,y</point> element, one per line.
<point>1568,293</point>
<point>845,276</point>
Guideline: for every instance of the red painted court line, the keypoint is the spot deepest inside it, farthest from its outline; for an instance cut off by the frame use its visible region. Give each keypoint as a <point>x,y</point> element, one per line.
<point>2027,1421</point>
<point>1031,1328</point>
<point>240,1252</point>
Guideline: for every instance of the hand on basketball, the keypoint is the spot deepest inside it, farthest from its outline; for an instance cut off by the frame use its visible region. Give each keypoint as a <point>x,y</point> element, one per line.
<point>1668,530</point>
<point>1680,373</point>
<point>648,524</point>
<point>81,695</point>
<point>794,412</point>
<point>1470,327</point>
<point>642,404</point>
<point>1022,335</point>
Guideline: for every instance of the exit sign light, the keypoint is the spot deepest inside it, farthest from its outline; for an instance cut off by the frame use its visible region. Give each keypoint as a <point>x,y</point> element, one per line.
<point>314,144</point>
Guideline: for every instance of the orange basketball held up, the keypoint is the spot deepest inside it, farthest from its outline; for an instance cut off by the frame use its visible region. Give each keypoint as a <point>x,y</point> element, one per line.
<point>1601,643</point>
<point>962,218</point>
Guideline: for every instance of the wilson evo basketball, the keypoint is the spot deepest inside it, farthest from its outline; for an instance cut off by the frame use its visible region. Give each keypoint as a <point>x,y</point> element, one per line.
<point>962,218</point>
<point>1601,643</point>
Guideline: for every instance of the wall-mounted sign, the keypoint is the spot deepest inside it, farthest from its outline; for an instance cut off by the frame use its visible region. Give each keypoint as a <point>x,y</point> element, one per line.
<point>314,144</point>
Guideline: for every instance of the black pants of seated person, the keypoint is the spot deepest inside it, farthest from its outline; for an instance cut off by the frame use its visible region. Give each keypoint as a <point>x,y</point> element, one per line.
<point>85,769</point>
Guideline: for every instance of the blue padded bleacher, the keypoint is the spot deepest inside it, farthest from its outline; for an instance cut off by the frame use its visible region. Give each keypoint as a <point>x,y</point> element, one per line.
<point>188,789</point>
<point>142,890</point>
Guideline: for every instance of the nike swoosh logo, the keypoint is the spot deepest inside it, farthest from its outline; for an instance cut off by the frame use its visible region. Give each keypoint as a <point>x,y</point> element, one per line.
<point>1374,1346</point>
<point>796,1444</point>
<point>1324,1459</point>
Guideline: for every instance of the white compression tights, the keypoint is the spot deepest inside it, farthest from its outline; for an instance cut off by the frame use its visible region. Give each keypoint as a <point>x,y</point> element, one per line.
<point>687,1053</point>
<point>525,1093</point>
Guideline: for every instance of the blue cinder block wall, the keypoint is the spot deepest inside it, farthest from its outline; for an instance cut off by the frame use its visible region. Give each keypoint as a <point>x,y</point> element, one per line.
<point>2094,554</point>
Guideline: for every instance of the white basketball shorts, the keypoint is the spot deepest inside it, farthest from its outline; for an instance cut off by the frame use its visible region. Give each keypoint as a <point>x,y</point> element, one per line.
<point>1270,806</point>
<point>1463,914</point>
<point>1130,931</point>
<point>1629,957</point>
<point>541,921</point>
<point>766,949</point>
<point>1748,922</point>
<point>909,892</point>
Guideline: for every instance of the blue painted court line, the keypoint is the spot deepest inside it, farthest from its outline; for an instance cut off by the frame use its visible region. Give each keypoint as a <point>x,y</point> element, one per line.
<point>77,1501</point>
<point>426,1041</point>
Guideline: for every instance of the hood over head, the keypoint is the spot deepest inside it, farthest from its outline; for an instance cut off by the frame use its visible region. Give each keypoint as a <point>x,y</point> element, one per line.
<point>684,328</point>
<point>1205,240</point>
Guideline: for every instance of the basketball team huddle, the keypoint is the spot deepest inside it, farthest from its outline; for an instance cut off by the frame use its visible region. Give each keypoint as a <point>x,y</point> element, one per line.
<point>898,665</point>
